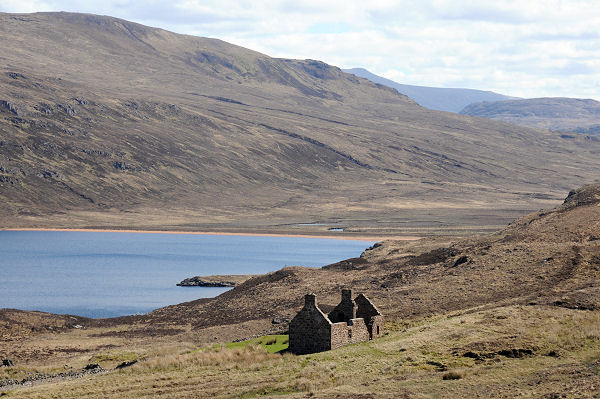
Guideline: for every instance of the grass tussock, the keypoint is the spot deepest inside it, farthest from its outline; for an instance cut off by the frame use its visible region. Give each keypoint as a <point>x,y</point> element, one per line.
<point>316,375</point>
<point>453,375</point>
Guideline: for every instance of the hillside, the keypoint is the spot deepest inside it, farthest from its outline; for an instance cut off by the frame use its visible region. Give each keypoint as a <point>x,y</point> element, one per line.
<point>511,313</point>
<point>561,114</point>
<point>436,98</point>
<point>106,123</point>
<point>548,257</point>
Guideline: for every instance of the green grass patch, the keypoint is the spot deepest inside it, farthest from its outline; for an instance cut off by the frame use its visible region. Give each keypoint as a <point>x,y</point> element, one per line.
<point>272,343</point>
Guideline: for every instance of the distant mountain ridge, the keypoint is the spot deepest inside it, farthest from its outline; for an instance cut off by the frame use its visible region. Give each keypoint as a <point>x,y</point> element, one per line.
<point>436,98</point>
<point>554,113</point>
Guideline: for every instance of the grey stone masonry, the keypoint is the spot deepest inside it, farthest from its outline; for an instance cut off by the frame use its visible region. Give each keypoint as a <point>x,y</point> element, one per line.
<point>366,310</point>
<point>349,322</point>
<point>346,310</point>
<point>310,330</point>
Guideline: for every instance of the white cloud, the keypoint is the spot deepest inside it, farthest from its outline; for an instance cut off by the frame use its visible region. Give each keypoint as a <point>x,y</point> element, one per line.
<point>24,6</point>
<point>527,49</point>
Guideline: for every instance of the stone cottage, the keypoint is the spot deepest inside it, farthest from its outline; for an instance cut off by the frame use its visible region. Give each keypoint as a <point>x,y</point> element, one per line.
<point>353,320</point>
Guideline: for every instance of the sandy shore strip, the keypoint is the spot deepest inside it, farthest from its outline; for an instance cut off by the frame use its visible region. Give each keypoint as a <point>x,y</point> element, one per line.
<point>220,233</point>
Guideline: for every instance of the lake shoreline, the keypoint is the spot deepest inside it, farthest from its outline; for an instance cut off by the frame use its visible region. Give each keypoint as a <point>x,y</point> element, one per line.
<point>223,233</point>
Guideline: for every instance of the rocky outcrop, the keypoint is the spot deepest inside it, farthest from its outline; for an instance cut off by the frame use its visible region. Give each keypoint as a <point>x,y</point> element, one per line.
<point>586,195</point>
<point>121,165</point>
<point>10,107</point>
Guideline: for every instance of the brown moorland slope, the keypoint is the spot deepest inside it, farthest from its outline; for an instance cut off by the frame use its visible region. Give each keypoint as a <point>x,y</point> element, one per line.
<point>108,123</point>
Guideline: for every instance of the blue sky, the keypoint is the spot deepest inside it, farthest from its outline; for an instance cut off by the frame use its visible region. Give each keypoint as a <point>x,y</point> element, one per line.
<point>531,48</point>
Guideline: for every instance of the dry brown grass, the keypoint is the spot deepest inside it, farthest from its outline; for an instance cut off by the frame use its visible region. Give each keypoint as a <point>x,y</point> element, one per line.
<point>575,331</point>
<point>248,357</point>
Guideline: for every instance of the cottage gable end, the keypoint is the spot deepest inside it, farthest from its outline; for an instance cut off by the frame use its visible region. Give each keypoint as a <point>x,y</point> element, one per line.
<point>310,329</point>
<point>366,309</point>
<point>372,316</point>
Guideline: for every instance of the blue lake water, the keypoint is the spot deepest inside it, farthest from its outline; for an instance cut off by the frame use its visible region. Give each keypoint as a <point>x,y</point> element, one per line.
<point>113,274</point>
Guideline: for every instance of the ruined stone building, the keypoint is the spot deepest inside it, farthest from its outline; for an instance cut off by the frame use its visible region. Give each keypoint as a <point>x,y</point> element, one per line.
<point>351,321</point>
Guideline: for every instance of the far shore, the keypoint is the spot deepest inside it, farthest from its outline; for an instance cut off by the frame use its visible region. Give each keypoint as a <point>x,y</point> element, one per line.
<point>221,233</point>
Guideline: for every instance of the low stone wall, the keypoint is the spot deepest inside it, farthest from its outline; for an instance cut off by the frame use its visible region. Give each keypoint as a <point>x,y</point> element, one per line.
<point>348,333</point>
<point>339,334</point>
<point>360,333</point>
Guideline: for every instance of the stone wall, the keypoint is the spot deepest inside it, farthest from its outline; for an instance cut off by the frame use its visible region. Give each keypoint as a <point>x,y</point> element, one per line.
<point>348,333</point>
<point>376,327</point>
<point>339,335</point>
<point>359,331</point>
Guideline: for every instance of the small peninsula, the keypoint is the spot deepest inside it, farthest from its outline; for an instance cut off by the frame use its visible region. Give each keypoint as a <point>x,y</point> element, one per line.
<point>226,280</point>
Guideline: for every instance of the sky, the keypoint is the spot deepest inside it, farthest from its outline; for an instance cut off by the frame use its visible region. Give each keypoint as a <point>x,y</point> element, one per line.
<point>522,48</point>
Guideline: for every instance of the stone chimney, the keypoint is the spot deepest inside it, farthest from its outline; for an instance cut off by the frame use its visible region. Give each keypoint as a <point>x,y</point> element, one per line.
<point>346,294</point>
<point>346,310</point>
<point>310,301</point>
